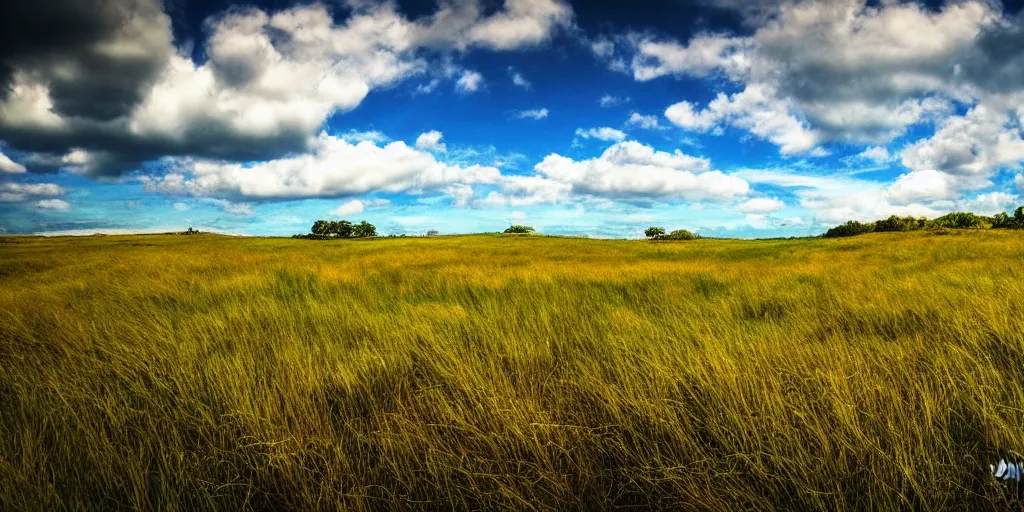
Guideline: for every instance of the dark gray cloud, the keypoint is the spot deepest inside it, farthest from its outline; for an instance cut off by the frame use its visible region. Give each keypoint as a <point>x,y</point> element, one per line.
<point>97,56</point>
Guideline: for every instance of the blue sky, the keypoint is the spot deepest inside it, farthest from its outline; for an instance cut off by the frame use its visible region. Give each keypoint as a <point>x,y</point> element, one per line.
<point>725,117</point>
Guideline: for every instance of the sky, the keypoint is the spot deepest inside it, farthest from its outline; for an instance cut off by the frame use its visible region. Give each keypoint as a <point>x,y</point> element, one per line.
<point>600,118</point>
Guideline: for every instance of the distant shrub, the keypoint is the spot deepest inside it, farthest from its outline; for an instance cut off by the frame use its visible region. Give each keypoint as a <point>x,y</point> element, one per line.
<point>680,234</point>
<point>850,228</point>
<point>654,232</point>
<point>957,220</point>
<point>897,223</point>
<point>521,230</point>
<point>433,232</point>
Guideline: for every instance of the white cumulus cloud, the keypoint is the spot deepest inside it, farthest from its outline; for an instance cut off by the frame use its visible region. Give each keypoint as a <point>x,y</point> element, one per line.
<point>431,141</point>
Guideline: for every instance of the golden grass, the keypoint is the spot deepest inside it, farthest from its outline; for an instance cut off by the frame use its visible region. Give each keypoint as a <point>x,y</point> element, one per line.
<point>491,372</point>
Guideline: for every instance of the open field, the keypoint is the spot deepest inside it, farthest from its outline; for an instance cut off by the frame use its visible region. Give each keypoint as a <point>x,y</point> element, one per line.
<point>480,372</point>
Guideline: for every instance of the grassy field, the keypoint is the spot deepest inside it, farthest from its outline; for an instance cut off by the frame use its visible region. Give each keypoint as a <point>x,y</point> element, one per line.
<point>493,372</point>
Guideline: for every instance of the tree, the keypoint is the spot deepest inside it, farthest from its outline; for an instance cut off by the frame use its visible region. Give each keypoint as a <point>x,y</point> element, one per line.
<point>364,229</point>
<point>654,232</point>
<point>680,234</point>
<point>850,228</point>
<point>521,230</point>
<point>433,232</point>
<point>342,229</point>
<point>1018,214</point>
<point>320,227</point>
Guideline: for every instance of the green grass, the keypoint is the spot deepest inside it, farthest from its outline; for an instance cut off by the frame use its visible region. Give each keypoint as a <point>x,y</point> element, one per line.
<point>494,372</point>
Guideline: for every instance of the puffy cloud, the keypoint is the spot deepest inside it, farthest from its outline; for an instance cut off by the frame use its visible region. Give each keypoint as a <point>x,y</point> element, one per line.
<point>702,56</point>
<point>358,206</point>
<point>923,185</point>
<point>106,80</point>
<point>841,70</point>
<point>1019,182</point>
<point>624,170</point>
<point>469,82</point>
<point>975,144</point>
<point>333,168</point>
<point>604,133</point>
<point>11,192</point>
<point>533,114</point>
<point>521,23</point>
<point>761,205</point>
<point>642,121</point>
<point>755,109</point>
<point>53,204</point>
<point>431,141</point>
<point>9,166</point>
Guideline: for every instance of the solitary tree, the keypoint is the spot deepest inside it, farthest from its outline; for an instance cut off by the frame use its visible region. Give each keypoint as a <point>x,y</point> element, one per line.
<point>654,232</point>
<point>433,232</point>
<point>522,230</point>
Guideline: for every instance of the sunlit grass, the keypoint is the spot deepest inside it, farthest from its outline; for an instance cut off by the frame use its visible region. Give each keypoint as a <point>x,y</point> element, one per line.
<point>200,372</point>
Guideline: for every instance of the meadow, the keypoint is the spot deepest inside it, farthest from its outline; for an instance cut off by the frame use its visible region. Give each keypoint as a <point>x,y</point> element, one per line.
<point>164,372</point>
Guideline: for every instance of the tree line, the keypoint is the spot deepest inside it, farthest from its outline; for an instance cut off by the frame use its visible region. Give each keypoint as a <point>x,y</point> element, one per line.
<point>658,233</point>
<point>955,220</point>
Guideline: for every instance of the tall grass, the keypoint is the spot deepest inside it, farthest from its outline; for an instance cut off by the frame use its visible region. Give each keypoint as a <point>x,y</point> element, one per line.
<point>489,372</point>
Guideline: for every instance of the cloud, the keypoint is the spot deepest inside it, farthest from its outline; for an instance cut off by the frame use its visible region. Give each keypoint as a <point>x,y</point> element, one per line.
<point>533,114</point>
<point>522,23</point>
<point>11,192</point>
<point>604,133</point>
<point>53,204</point>
<point>922,185</point>
<point>97,59</point>
<point>610,101</point>
<point>333,168</point>
<point>819,71</point>
<point>9,166</point>
<point>837,199</point>
<point>754,109</point>
<point>642,121</point>
<point>1018,181</point>
<point>761,205</point>
<point>469,82</point>
<point>181,207</point>
<point>350,208</point>
<point>233,208</point>
<point>624,170</point>
<point>104,79</point>
<point>431,141</point>
<point>428,87</point>
<point>875,154</point>
<point>975,144</point>
<point>518,79</point>
<point>358,206</point>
